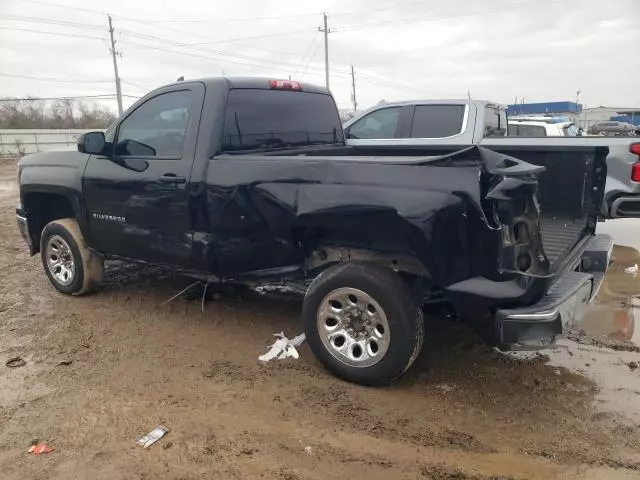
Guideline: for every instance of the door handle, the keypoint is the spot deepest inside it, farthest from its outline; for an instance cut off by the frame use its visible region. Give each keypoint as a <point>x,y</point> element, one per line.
<point>172,178</point>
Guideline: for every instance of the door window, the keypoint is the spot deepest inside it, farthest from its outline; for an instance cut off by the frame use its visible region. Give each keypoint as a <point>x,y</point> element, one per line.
<point>519,130</point>
<point>157,128</point>
<point>379,124</point>
<point>437,121</point>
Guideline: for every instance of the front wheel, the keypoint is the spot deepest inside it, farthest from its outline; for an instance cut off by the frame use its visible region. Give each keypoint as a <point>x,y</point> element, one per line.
<point>71,266</point>
<point>363,323</point>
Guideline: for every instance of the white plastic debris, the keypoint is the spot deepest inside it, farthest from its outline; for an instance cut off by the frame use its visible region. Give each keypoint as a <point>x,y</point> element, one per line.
<point>633,270</point>
<point>283,347</point>
<point>308,450</point>
<point>153,436</point>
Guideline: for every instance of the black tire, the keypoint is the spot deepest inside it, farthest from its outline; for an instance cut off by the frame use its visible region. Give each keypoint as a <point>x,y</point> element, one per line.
<point>88,265</point>
<point>394,296</point>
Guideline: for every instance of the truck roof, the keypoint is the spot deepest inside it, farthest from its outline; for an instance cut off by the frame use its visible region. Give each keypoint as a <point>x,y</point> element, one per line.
<point>447,101</point>
<point>259,83</point>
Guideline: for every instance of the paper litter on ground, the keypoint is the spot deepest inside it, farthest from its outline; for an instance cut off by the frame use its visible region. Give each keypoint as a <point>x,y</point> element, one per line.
<point>632,270</point>
<point>283,347</point>
<point>153,436</point>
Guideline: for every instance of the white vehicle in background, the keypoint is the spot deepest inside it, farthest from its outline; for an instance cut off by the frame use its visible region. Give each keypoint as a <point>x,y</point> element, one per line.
<point>440,126</point>
<point>529,126</point>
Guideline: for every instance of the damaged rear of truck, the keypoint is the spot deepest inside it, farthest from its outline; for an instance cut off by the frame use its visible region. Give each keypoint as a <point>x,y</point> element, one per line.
<point>508,243</point>
<point>265,190</point>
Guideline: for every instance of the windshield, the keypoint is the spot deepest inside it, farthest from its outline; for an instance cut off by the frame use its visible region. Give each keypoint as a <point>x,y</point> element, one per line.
<point>273,119</point>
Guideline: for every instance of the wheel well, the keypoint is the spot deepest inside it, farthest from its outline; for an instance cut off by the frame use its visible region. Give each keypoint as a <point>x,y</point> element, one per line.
<point>42,208</point>
<point>324,247</point>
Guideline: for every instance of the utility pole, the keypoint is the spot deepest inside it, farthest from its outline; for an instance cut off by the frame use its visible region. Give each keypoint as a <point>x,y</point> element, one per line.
<point>326,32</point>
<point>353,85</point>
<point>469,94</point>
<point>114,52</point>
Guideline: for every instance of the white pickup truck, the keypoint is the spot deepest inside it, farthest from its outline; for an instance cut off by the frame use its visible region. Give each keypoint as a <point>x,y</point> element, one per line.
<point>441,126</point>
<point>546,126</point>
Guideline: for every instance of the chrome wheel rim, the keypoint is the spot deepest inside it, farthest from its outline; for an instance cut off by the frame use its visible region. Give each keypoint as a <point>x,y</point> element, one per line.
<point>353,327</point>
<point>60,260</point>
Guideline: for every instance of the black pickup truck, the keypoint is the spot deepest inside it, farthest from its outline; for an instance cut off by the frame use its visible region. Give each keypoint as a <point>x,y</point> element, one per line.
<point>250,180</point>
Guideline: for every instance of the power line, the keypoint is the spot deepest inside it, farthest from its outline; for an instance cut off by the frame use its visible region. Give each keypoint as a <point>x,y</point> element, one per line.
<point>107,96</point>
<point>51,4</point>
<point>147,22</point>
<point>247,58</point>
<point>370,10</point>
<point>50,33</point>
<point>313,54</point>
<point>20,18</point>
<point>54,80</point>
<point>234,20</point>
<point>266,35</point>
<point>127,82</point>
<point>340,73</point>
<point>309,51</point>
<point>404,21</point>
<point>211,51</point>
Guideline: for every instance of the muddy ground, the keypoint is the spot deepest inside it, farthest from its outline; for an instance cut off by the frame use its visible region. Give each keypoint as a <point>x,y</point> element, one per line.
<point>104,369</point>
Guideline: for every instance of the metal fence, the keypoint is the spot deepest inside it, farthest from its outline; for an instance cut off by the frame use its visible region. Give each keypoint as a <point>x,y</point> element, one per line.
<point>23,141</point>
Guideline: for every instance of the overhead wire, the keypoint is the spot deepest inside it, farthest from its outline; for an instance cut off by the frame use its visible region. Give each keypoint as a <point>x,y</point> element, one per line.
<point>237,20</point>
<point>61,34</point>
<point>54,80</point>
<point>64,23</point>
<point>308,50</point>
<point>414,19</point>
<point>311,57</point>
<point>147,22</point>
<point>106,96</point>
<point>229,56</point>
<point>130,83</point>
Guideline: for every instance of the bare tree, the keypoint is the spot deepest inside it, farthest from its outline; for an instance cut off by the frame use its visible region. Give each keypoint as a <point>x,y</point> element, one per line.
<point>65,113</point>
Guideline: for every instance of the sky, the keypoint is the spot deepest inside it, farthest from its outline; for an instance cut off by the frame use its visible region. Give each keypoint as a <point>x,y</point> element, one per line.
<point>498,50</point>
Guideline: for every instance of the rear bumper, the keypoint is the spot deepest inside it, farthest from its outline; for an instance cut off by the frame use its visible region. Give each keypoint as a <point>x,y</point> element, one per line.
<point>536,326</point>
<point>626,206</point>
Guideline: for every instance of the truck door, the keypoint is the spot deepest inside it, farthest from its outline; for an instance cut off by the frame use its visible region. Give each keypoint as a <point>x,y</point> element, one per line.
<point>137,195</point>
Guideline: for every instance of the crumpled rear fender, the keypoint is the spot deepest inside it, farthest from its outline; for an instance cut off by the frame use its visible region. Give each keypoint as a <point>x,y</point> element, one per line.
<point>440,210</point>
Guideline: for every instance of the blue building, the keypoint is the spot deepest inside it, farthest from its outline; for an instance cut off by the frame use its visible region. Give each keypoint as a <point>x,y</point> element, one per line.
<point>633,117</point>
<point>569,109</point>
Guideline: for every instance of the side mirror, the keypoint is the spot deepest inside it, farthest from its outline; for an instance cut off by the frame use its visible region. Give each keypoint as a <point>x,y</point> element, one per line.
<point>92,142</point>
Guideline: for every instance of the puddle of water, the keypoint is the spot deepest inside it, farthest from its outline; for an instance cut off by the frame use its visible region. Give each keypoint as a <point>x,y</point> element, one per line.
<point>616,312</point>
<point>619,384</point>
<point>624,231</point>
<point>614,317</point>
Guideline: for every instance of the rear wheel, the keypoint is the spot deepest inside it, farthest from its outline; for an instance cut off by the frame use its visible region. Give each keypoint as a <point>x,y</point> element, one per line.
<point>363,323</point>
<point>71,266</point>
